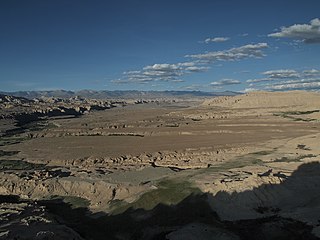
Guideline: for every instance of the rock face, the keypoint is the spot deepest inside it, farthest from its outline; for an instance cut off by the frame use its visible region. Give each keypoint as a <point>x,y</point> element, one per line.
<point>25,110</point>
<point>28,220</point>
<point>45,183</point>
<point>289,196</point>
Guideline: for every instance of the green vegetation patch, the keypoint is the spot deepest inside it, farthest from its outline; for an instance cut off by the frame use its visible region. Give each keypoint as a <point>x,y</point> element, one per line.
<point>240,162</point>
<point>168,192</point>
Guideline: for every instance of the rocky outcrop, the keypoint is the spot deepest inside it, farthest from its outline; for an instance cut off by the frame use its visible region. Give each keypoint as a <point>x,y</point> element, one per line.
<point>28,220</point>
<point>245,195</point>
<point>187,159</point>
<point>99,192</point>
<point>25,111</point>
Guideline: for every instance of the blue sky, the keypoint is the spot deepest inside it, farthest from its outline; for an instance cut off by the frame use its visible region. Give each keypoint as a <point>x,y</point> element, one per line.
<point>209,45</point>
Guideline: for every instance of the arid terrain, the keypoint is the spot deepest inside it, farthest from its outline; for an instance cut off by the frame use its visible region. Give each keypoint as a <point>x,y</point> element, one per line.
<point>227,167</point>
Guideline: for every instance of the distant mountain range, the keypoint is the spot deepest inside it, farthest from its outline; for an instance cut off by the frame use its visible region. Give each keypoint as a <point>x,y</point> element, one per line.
<point>130,94</point>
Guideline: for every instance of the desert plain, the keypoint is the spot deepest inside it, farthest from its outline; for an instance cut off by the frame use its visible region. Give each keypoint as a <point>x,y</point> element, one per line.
<point>228,167</point>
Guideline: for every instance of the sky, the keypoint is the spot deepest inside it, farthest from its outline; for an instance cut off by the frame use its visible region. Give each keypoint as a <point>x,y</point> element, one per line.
<point>206,45</point>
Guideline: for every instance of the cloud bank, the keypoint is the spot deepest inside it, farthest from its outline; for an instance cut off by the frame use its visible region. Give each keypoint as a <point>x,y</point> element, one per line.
<point>276,75</point>
<point>286,79</point>
<point>161,72</point>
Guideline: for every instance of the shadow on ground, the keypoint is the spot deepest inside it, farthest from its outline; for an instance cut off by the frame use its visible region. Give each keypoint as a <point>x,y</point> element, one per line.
<point>193,218</point>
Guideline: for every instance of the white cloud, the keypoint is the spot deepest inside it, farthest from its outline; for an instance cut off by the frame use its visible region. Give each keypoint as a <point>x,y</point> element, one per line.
<point>233,54</point>
<point>311,72</point>
<point>197,69</point>
<point>296,86</point>
<point>274,75</point>
<point>309,33</point>
<point>256,80</point>
<point>282,73</point>
<point>162,67</point>
<point>193,87</point>
<point>126,81</point>
<point>287,79</point>
<point>173,72</point>
<point>224,82</point>
<point>177,80</point>
<point>160,72</point>
<point>303,80</point>
<point>216,39</point>
<point>132,72</point>
<point>250,90</point>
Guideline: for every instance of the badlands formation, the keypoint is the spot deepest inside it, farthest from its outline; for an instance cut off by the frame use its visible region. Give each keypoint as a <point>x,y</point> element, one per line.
<point>234,167</point>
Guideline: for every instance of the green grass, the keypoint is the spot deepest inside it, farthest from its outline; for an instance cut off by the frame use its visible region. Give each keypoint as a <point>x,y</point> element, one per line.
<point>168,192</point>
<point>173,191</point>
<point>240,162</point>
